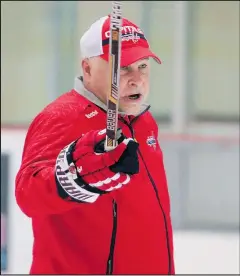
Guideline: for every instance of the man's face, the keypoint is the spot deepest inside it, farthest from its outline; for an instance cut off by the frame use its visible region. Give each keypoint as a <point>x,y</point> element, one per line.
<point>134,83</point>
<point>134,86</point>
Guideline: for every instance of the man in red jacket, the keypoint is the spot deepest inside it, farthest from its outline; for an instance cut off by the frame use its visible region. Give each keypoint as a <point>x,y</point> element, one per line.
<point>96,212</point>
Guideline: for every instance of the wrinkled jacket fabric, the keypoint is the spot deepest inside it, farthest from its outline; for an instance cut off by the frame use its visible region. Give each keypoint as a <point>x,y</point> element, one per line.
<point>127,231</point>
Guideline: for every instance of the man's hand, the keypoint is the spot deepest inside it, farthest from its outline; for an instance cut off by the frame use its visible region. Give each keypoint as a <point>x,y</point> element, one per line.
<point>84,171</point>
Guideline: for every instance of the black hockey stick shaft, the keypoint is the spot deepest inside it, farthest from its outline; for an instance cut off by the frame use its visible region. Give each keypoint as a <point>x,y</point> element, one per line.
<point>114,65</point>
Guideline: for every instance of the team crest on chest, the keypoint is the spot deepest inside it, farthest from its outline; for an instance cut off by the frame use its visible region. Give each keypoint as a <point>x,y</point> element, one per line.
<point>151,141</point>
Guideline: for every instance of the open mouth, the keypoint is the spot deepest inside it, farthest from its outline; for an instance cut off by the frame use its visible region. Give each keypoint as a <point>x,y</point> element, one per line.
<point>134,96</point>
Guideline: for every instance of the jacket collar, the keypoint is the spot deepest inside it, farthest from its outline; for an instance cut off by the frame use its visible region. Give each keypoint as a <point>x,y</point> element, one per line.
<point>79,87</point>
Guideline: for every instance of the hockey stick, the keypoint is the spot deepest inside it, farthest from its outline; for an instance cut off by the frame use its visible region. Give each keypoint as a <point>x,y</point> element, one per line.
<point>114,65</point>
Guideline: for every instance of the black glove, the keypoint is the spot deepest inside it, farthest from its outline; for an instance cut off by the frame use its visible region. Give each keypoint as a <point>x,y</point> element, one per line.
<point>128,162</point>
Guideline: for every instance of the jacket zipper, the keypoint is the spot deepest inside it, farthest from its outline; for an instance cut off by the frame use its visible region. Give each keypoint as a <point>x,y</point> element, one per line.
<point>157,195</point>
<point>112,245</point>
<point>109,269</point>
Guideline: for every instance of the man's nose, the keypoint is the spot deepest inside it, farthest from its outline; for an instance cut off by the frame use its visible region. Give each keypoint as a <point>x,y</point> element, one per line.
<point>135,79</point>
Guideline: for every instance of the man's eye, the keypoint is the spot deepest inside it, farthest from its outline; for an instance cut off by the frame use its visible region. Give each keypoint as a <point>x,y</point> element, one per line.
<point>124,68</point>
<point>143,66</point>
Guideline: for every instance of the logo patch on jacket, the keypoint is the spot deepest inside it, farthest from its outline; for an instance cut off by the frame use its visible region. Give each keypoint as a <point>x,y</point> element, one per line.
<point>151,141</point>
<point>92,114</point>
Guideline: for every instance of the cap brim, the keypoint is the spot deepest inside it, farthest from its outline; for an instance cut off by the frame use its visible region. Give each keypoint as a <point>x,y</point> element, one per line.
<point>133,54</point>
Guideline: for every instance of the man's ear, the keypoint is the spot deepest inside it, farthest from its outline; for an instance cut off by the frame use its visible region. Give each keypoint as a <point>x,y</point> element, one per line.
<point>86,68</point>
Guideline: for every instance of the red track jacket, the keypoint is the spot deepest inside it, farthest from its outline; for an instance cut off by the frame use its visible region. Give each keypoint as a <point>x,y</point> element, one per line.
<point>127,231</point>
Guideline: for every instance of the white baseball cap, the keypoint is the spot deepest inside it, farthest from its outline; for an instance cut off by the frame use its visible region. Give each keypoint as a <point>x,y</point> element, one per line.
<point>95,42</point>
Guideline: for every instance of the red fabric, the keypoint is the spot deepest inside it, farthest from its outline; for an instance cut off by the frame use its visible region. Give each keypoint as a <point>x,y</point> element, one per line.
<point>74,238</point>
<point>134,44</point>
